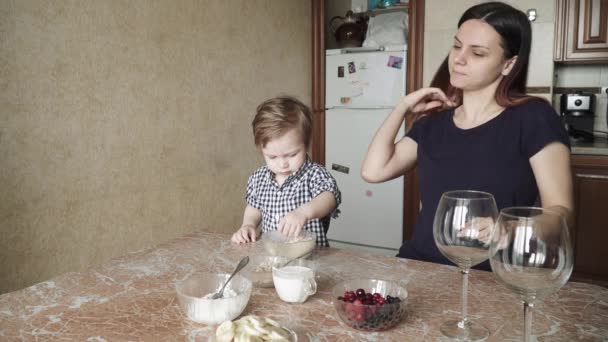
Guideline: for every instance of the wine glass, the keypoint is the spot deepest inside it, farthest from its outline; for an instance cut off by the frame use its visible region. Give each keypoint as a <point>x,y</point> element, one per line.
<point>462,226</point>
<point>530,253</point>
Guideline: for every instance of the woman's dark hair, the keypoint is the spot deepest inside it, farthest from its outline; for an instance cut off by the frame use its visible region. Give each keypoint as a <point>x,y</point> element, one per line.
<point>515,38</point>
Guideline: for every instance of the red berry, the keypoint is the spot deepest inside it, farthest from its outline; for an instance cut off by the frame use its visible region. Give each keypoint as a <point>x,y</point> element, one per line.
<point>377,295</point>
<point>380,301</point>
<point>360,292</point>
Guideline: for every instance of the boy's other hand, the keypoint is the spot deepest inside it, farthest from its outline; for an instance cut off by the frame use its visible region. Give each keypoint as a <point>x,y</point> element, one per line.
<point>292,223</point>
<point>245,234</point>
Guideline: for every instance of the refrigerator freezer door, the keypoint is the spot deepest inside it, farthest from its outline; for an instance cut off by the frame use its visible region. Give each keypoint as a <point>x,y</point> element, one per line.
<point>371,214</point>
<point>366,79</point>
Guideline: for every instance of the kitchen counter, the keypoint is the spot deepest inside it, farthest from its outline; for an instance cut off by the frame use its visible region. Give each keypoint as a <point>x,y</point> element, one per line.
<point>133,298</point>
<point>598,147</point>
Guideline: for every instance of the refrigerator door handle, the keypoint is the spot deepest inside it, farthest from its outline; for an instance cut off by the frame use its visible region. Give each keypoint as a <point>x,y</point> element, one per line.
<point>359,108</point>
<point>363,50</point>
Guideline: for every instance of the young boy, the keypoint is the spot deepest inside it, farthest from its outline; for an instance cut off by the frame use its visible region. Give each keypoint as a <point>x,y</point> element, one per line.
<point>290,192</point>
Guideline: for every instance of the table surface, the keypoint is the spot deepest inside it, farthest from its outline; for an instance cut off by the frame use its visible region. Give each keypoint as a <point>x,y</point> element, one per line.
<point>132,298</point>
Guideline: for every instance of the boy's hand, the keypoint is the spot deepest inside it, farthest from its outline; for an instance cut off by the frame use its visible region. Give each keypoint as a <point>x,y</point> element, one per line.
<point>292,223</point>
<point>245,234</point>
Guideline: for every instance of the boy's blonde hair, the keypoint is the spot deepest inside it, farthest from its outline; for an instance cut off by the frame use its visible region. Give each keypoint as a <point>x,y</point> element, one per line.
<point>274,117</point>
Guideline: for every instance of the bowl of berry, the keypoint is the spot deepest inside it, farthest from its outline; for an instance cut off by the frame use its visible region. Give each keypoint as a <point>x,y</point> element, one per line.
<point>370,304</point>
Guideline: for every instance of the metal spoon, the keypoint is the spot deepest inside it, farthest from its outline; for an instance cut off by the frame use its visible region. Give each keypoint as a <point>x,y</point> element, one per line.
<point>239,267</point>
<point>294,259</point>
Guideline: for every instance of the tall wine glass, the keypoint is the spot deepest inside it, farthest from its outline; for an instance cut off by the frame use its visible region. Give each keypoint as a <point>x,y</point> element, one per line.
<point>462,226</point>
<point>530,253</point>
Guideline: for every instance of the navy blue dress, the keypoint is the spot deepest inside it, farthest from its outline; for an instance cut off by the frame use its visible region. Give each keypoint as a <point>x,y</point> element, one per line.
<point>493,157</point>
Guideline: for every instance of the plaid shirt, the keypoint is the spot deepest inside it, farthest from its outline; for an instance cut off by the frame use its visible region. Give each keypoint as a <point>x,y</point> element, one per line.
<point>274,201</point>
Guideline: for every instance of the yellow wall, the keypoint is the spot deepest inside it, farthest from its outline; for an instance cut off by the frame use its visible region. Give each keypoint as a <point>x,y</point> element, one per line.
<point>127,123</point>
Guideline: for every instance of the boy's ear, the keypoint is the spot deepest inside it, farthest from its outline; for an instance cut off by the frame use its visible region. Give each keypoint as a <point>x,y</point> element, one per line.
<point>509,65</point>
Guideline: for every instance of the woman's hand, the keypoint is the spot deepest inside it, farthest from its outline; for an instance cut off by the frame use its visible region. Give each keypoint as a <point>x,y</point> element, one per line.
<point>247,233</point>
<point>479,228</point>
<point>424,100</point>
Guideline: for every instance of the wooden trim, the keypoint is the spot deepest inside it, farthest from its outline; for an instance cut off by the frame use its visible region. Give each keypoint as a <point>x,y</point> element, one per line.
<point>588,161</point>
<point>415,70</point>
<point>538,90</point>
<point>571,90</point>
<point>415,51</point>
<point>560,25</point>
<point>318,81</point>
<point>588,37</point>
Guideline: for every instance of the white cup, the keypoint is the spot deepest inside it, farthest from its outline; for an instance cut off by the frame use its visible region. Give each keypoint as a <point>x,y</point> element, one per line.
<point>295,282</point>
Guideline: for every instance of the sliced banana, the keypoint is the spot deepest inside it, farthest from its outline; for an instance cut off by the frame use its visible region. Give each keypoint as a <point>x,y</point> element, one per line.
<point>273,322</point>
<point>277,337</point>
<point>251,328</point>
<point>225,328</point>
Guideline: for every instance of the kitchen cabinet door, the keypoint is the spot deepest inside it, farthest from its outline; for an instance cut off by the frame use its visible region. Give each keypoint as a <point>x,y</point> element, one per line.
<point>590,230</point>
<point>581,31</point>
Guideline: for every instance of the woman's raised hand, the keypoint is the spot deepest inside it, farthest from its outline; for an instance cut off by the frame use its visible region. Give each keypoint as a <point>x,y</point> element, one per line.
<point>424,100</point>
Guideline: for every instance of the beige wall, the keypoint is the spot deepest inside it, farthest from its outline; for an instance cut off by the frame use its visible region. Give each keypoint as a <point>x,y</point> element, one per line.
<point>441,20</point>
<point>127,123</point>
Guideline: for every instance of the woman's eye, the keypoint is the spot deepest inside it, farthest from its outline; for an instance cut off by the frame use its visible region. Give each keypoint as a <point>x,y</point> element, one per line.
<point>456,47</point>
<point>272,157</point>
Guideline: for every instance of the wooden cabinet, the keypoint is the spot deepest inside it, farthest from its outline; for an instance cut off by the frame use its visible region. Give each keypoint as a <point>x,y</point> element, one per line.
<point>590,230</point>
<point>581,31</point>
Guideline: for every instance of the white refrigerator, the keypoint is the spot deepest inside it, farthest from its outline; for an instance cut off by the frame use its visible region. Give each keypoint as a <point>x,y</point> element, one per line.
<point>362,86</point>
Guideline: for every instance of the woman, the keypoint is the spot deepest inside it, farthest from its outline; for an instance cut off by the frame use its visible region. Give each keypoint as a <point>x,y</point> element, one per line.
<point>475,129</point>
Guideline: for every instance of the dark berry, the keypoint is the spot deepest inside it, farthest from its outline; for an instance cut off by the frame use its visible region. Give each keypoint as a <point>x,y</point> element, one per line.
<point>360,292</point>
<point>341,298</point>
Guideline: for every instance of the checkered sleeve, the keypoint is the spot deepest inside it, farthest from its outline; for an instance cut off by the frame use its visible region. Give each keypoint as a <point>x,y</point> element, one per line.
<point>322,181</point>
<point>251,194</point>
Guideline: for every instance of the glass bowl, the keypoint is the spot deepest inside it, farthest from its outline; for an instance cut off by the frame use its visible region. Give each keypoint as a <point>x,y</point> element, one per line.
<point>190,293</point>
<point>370,317</point>
<point>259,269</point>
<point>276,243</point>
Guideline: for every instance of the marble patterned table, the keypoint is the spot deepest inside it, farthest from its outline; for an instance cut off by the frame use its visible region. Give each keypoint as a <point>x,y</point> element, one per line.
<point>132,298</point>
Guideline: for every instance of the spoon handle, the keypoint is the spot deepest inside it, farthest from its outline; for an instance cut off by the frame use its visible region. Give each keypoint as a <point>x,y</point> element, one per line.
<point>239,267</point>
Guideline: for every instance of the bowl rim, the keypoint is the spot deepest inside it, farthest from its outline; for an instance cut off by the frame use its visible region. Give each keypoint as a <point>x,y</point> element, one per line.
<point>271,236</point>
<point>178,286</point>
<point>260,257</point>
<point>308,263</point>
<point>342,282</point>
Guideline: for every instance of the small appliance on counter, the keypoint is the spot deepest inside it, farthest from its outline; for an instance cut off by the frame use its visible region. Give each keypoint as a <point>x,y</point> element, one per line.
<point>577,111</point>
<point>349,30</point>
